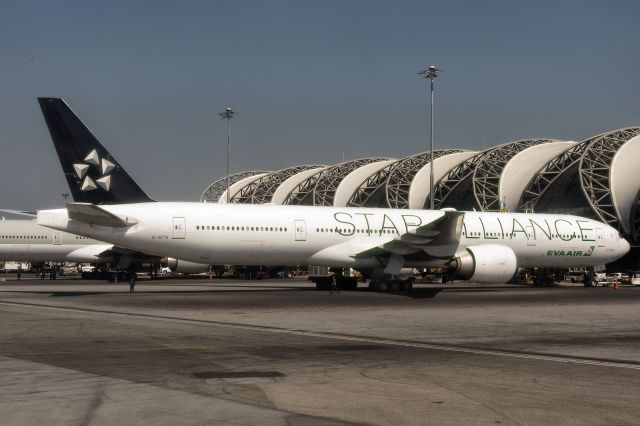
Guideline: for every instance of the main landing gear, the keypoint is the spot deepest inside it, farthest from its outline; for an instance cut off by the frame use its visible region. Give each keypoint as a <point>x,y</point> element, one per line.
<point>391,284</point>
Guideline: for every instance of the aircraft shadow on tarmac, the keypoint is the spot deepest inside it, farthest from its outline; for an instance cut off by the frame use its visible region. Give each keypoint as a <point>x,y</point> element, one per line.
<point>415,294</point>
<point>237,288</point>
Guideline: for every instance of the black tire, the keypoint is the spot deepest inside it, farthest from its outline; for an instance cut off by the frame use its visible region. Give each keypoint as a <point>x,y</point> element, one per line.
<point>382,286</point>
<point>407,286</point>
<point>395,286</point>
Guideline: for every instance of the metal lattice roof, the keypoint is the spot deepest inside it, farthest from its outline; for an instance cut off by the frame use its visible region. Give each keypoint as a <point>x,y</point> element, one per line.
<point>374,192</point>
<point>486,176</point>
<point>319,189</point>
<point>400,178</point>
<point>214,191</point>
<point>548,174</point>
<point>262,189</point>
<point>450,182</point>
<point>595,166</point>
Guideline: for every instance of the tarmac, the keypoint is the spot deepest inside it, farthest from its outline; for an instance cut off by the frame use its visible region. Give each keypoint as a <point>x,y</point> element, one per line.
<point>181,351</point>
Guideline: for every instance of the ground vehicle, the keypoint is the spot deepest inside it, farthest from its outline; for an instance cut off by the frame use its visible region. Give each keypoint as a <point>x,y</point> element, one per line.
<point>88,268</point>
<point>616,277</point>
<point>16,266</point>
<point>574,276</point>
<point>346,279</point>
<point>577,275</point>
<point>283,274</point>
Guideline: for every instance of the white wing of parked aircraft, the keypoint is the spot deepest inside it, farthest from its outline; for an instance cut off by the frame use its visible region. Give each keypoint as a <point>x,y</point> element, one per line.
<point>485,247</point>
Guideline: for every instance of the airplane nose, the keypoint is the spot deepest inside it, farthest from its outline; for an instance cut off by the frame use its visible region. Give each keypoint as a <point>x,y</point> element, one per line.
<point>624,246</point>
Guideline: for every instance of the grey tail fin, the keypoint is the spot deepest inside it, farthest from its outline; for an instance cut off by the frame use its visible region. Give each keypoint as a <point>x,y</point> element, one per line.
<point>92,173</point>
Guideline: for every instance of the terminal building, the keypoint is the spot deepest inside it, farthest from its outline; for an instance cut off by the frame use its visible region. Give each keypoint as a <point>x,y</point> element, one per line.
<point>597,178</point>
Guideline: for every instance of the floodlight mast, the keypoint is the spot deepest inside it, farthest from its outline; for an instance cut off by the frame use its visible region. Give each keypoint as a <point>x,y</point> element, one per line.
<point>228,114</point>
<point>430,73</point>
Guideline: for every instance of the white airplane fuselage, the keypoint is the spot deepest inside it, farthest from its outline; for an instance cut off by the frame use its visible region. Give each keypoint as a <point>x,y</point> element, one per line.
<point>26,240</point>
<point>290,235</point>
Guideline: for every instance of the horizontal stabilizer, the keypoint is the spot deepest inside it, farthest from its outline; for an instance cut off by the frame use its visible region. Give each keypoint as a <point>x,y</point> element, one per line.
<point>31,215</point>
<point>95,215</point>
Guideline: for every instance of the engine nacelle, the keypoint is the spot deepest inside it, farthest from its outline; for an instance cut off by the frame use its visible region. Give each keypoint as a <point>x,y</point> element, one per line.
<point>486,264</point>
<point>184,267</point>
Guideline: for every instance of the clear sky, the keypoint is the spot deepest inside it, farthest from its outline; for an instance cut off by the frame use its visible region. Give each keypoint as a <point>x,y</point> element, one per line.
<point>312,81</point>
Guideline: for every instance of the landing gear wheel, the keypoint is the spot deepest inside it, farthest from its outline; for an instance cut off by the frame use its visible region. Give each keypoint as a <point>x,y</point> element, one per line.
<point>407,286</point>
<point>382,286</point>
<point>395,286</point>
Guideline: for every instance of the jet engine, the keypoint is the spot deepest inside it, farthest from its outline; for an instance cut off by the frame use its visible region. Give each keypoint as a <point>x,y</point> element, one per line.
<point>486,263</point>
<point>184,267</point>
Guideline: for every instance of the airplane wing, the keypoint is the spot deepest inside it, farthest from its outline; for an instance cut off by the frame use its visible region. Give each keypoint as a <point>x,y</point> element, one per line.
<point>91,253</point>
<point>437,240</point>
<point>110,253</point>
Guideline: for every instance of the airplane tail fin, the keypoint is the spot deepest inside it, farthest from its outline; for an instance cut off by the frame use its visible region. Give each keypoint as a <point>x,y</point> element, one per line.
<point>92,173</point>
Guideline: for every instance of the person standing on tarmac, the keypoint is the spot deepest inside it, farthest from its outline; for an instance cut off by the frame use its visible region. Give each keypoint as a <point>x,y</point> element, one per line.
<point>132,282</point>
<point>334,284</point>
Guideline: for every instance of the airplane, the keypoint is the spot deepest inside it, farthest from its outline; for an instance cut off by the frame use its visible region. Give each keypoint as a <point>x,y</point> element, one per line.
<point>25,240</point>
<point>486,247</point>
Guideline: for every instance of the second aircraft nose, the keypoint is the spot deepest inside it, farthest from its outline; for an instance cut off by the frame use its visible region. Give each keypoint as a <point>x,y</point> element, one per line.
<point>624,246</point>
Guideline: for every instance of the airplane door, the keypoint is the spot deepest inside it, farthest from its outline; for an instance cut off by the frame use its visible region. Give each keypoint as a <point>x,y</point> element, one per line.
<point>531,236</point>
<point>600,237</point>
<point>301,230</point>
<point>179,230</point>
<point>57,238</point>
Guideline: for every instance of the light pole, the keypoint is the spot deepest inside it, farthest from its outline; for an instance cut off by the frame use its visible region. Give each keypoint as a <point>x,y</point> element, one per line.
<point>430,73</point>
<point>228,114</point>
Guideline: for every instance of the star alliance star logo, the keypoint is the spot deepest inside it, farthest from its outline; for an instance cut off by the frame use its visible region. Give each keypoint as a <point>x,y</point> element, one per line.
<point>105,166</point>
